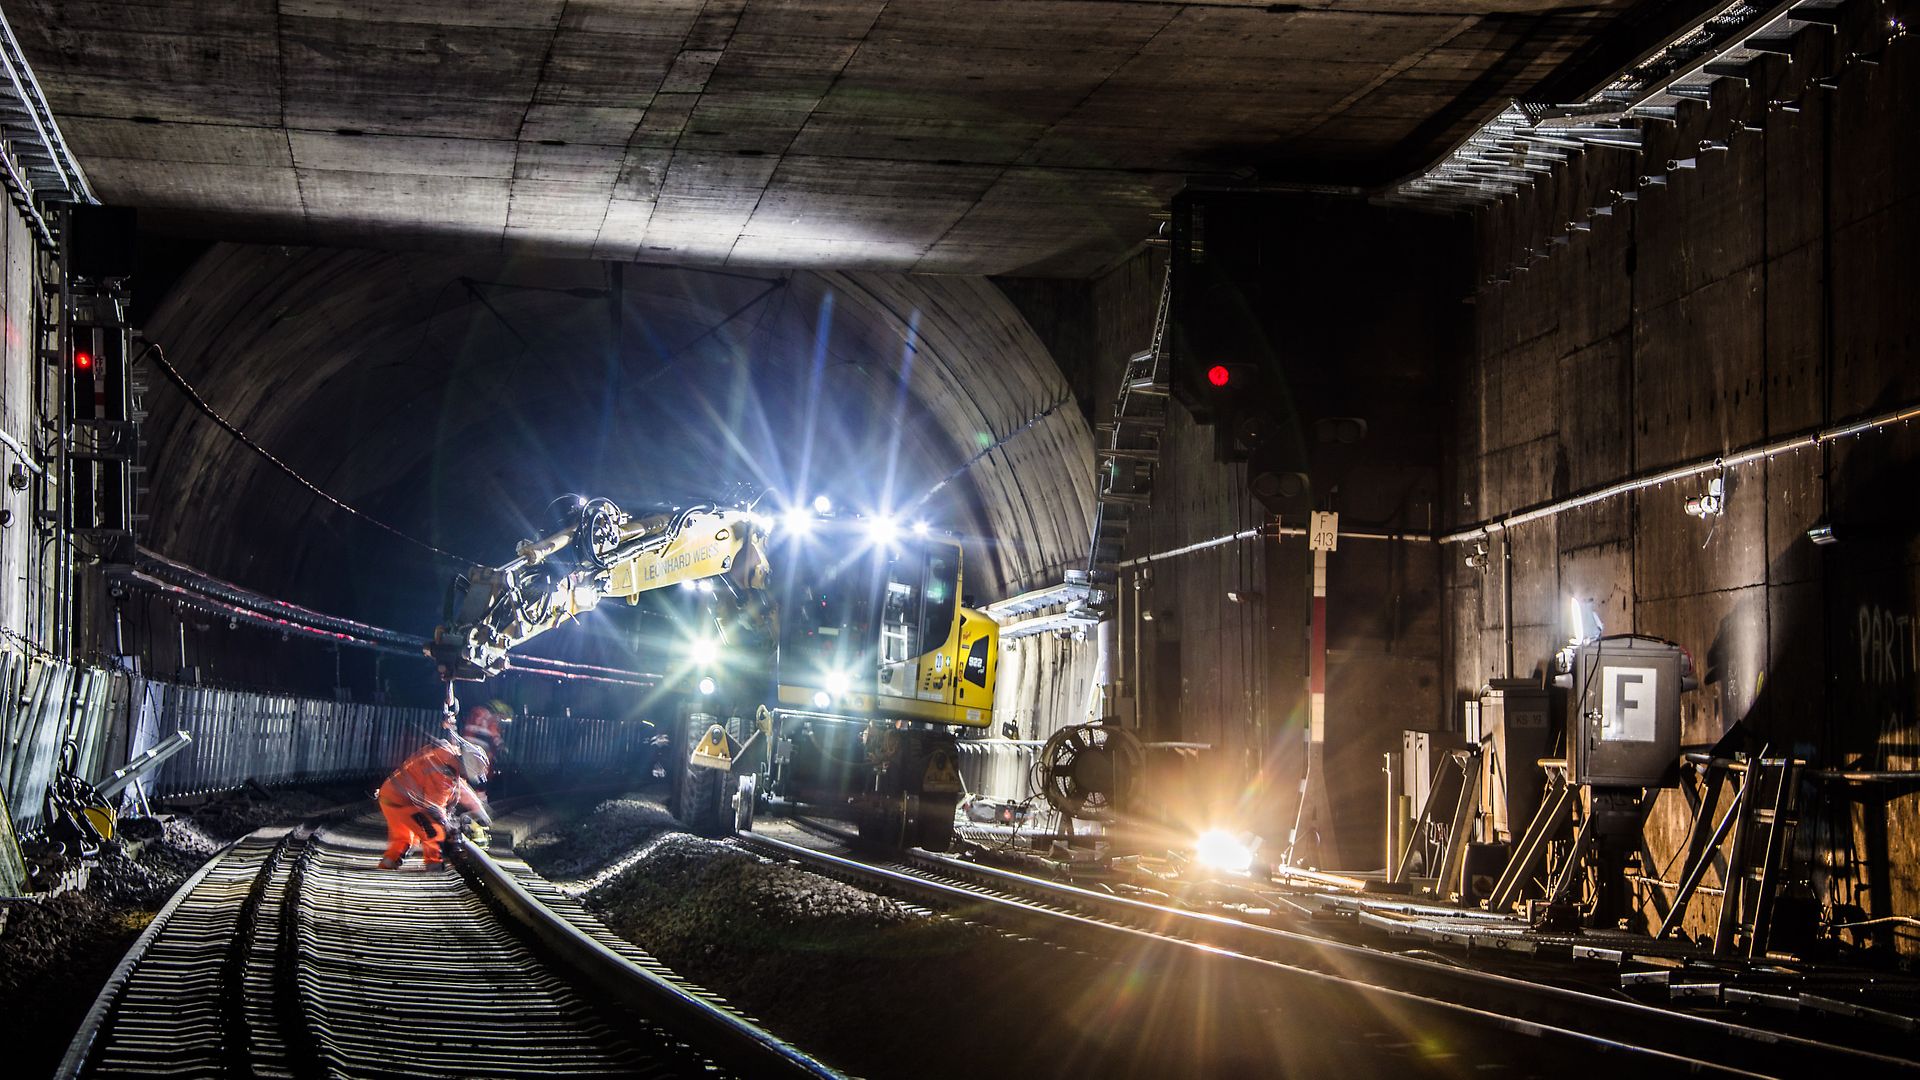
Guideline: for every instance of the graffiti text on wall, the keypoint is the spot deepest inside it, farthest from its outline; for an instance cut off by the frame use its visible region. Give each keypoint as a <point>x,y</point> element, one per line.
<point>1889,658</point>
<point>1889,651</point>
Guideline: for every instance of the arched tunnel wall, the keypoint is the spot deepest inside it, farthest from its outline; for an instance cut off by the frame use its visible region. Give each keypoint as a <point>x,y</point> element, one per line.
<point>453,397</point>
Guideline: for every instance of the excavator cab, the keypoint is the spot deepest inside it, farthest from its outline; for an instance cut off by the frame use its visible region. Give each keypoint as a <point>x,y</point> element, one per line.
<point>877,662</point>
<point>876,630</point>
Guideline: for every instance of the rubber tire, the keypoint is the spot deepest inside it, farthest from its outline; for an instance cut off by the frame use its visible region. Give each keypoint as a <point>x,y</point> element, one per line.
<point>701,799</point>
<point>704,795</point>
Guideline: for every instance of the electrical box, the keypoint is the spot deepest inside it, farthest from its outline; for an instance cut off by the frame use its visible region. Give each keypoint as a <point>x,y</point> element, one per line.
<point>1624,722</point>
<point>1516,728</point>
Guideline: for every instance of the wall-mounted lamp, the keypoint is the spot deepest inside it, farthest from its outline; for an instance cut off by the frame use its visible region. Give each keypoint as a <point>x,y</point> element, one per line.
<point>1711,504</point>
<point>1583,624</point>
<point>1823,534</point>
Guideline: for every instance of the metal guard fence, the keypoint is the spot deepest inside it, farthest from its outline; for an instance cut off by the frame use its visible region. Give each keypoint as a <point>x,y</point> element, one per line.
<point>243,735</point>
<point>44,704</point>
<point>997,768</point>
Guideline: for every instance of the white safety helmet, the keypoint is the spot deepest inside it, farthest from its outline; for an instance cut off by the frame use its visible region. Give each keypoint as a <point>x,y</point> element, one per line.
<point>474,763</point>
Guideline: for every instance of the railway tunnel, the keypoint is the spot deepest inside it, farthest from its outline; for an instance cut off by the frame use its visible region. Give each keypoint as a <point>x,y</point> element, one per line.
<point>1182,538</point>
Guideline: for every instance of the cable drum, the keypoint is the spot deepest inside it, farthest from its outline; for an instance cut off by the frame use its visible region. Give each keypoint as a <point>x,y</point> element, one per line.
<point>1089,771</point>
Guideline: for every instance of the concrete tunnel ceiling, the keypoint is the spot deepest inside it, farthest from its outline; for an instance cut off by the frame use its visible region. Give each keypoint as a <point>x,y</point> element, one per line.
<point>453,396</point>
<point>958,136</point>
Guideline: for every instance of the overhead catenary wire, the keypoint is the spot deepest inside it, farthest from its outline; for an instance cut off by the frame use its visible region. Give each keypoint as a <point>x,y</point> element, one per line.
<point>210,594</point>
<point>667,360</point>
<point>173,375</point>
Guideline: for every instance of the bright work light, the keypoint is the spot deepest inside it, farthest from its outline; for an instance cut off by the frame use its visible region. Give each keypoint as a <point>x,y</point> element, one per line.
<point>1222,850</point>
<point>882,531</point>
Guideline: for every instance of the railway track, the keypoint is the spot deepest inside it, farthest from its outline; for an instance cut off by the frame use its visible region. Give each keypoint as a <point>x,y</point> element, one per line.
<point>290,955</point>
<point>1564,1022</point>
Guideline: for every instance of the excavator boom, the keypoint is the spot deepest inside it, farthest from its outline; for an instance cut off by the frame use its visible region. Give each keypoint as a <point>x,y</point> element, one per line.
<point>604,553</point>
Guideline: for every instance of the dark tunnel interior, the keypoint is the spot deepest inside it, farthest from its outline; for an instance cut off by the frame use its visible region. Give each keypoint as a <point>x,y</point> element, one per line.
<point>453,398</point>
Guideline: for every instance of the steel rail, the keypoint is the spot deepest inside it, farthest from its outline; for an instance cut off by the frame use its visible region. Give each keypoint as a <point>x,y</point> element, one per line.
<point>715,1030</point>
<point>1601,1021</point>
<point>289,954</point>
<point>105,1001</point>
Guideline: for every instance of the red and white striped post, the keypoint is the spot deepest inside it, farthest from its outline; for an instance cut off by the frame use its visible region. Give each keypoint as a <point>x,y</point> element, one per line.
<point>1323,536</point>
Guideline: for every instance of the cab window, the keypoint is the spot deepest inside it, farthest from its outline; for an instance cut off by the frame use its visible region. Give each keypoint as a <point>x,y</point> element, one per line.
<point>936,613</point>
<point>900,619</point>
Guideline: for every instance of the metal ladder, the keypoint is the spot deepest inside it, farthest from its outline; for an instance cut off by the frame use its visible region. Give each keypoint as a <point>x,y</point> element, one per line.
<point>1130,457</point>
<point>1761,844</point>
<point>137,387</point>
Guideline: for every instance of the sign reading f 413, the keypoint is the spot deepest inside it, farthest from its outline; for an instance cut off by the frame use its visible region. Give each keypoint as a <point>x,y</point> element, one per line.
<point>1323,531</point>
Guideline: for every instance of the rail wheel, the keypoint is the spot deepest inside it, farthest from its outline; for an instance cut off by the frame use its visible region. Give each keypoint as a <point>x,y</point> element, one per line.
<point>882,824</point>
<point>743,803</point>
<point>933,823</point>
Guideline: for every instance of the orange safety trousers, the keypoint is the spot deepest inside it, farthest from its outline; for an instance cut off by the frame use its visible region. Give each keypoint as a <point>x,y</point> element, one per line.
<point>408,825</point>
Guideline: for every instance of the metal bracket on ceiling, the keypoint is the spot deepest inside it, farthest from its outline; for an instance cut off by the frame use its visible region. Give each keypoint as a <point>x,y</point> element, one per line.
<point>36,166</point>
<point>1073,603</point>
<point>1526,139</point>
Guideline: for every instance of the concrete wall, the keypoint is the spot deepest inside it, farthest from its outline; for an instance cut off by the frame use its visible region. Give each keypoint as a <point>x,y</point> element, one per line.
<point>1767,291</point>
<point>1223,660</point>
<point>1203,658</point>
<point>18,291</point>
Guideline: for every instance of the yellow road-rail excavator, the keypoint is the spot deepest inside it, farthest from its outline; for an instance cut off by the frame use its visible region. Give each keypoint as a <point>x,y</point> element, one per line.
<point>830,667</point>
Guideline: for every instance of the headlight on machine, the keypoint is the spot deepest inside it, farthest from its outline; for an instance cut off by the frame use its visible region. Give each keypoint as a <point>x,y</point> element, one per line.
<point>833,686</point>
<point>703,652</point>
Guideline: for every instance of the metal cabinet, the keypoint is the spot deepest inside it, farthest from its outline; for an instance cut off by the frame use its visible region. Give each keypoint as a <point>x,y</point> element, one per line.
<point>1624,726</point>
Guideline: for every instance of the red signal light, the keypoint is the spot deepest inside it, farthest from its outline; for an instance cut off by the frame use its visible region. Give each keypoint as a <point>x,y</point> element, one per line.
<point>1218,375</point>
<point>83,361</point>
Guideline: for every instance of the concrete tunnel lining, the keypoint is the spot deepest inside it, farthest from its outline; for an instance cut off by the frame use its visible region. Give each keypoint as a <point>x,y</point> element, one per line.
<point>330,359</point>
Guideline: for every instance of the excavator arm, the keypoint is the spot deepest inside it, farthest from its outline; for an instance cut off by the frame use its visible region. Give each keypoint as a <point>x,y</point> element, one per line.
<point>604,553</point>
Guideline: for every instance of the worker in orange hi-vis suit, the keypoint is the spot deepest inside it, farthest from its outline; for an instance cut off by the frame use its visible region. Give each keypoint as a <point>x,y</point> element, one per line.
<point>421,796</point>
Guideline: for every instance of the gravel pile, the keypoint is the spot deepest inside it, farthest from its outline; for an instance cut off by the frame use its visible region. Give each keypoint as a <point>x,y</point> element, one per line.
<point>855,978</point>
<point>572,845</point>
<point>234,814</point>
